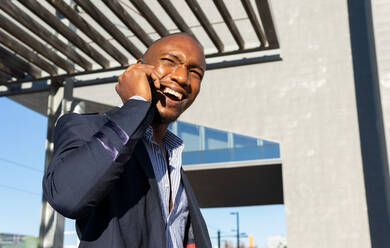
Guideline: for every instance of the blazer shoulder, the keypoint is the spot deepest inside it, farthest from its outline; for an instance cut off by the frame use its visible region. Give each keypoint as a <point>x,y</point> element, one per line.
<point>81,124</point>
<point>87,118</point>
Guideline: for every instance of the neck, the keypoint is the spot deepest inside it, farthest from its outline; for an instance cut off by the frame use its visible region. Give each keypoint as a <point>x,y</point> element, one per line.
<point>159,130</point>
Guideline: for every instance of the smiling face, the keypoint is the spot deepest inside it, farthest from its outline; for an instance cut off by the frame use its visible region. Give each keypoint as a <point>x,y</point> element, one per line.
<point>181,62</point>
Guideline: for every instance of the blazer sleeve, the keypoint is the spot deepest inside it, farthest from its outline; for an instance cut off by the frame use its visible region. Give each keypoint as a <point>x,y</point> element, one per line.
<point>88,158</point>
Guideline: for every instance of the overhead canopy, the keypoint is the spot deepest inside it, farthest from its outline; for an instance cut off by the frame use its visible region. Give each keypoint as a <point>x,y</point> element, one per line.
<point>49,40</point>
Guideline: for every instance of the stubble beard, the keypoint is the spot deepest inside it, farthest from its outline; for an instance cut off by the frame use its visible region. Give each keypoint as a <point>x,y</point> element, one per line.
<point>163,119</point>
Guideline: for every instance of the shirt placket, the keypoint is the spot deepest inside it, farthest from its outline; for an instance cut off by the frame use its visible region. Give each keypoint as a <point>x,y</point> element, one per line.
<point>164,193</point>
<point>171,215</point>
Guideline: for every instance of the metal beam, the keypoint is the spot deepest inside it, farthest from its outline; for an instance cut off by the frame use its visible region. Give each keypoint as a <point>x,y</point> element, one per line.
<point>45,88</point>
<point>147,13</point>
<point>202,18</point>
<point>255,23</point>
<point>96,81</point>
<point>263,6</point>
<point>10,70</point>
<point>244,61</point>
<point>26,53</point>
<point>124,16</point>
<point>14,92</point>
<point>4,77</point>
<point>61,28</point>
<point>32,25</point>
<point>35,44</point>
<point>19,63</point>
<point>91,32</point>
<point>98,16</point>
<point>234,52</point>
<point>229,22</point>
<point>69,75</point>
<point>175,16</point>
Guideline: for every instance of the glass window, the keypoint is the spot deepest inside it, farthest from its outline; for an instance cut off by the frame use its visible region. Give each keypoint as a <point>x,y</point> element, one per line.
<point>215,139</point>
<point>190,135</point>
<point>243,141</point>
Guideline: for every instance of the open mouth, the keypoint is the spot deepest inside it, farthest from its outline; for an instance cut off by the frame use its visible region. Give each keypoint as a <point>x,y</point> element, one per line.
<point>172,94</point>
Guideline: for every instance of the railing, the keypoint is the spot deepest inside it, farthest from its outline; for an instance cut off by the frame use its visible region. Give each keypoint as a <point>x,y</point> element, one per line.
<point>265,151</point>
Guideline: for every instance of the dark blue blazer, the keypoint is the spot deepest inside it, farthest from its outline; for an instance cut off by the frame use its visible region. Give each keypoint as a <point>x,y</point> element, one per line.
<point>115,201</point>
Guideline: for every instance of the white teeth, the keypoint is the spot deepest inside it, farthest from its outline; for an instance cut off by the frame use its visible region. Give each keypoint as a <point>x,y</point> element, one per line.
<point>172,92</point>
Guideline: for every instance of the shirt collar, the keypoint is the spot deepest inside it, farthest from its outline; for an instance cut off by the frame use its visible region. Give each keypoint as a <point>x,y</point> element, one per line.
<point>170,140</point>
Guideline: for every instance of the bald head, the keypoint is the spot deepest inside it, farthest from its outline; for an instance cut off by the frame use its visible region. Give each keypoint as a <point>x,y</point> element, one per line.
<point>178,39</point>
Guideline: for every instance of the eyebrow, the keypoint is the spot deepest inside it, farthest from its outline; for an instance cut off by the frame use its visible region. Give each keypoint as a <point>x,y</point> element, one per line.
<point>178,59</point>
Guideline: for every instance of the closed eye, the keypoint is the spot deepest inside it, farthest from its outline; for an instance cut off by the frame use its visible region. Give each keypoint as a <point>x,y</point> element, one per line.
<point>168,60</point>
<point>197,73</point>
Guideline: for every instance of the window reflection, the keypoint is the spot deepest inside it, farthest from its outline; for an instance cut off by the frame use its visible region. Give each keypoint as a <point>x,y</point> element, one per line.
<point>244,141</point>
<point>190,135</point>
<point>215,139</point>
<point>209,145</point>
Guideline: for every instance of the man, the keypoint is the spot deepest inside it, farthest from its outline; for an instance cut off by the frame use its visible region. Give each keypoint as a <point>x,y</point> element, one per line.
<point>119,174</point>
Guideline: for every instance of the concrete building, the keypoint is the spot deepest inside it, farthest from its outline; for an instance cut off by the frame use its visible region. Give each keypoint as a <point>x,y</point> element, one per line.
<point>326,101</point>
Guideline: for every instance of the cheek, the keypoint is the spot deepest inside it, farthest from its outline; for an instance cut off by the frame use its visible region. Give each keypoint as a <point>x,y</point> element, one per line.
<point>163,70</point>
<point>160,70</point>
<point>195,88</point>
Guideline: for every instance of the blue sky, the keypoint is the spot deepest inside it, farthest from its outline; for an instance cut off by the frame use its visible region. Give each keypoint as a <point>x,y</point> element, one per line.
<point>22,152</point>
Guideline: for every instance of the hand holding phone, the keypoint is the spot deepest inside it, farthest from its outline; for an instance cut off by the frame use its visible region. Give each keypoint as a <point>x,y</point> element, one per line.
<point>137,80</point>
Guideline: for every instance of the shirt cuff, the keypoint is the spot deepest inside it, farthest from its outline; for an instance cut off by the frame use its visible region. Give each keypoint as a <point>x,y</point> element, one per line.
<point>137,98</point>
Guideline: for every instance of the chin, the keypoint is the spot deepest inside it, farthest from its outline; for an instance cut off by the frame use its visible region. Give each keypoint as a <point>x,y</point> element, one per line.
<point>164,117</point>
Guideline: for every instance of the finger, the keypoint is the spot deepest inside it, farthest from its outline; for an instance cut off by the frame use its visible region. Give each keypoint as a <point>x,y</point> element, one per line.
<point>156,80</point>
<point>140,66</point>
<point>148,71</point>
<point>130,67</point>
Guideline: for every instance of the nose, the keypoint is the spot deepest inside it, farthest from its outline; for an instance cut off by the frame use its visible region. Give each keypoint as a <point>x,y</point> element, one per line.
<point>180,75</point>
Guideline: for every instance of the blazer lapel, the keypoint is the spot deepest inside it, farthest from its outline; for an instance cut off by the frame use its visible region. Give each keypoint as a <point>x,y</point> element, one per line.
<point>199,228</point>
<point>141,154</point>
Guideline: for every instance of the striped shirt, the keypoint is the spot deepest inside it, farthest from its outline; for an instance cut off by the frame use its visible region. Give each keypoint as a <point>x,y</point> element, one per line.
<point>175,221</point>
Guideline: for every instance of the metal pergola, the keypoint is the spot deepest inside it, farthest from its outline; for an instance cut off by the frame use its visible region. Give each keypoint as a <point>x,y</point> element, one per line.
<point>48,46</point>
<point>42,41</point>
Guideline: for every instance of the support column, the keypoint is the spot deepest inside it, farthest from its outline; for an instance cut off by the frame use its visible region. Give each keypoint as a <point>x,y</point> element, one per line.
<point>51,232</point>
<point>370,117</point>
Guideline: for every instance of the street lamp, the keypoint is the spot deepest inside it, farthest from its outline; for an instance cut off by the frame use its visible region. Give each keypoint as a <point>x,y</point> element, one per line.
<point>238,227</point>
